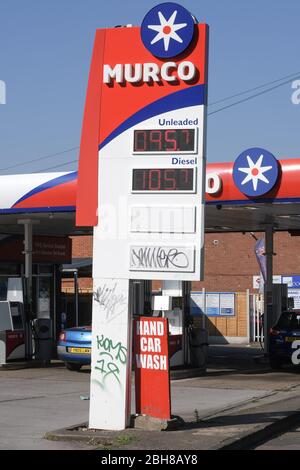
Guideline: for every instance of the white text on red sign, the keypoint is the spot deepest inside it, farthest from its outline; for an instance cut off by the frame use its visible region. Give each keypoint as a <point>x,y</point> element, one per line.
<point>169,72</point>
<point>149,344</point>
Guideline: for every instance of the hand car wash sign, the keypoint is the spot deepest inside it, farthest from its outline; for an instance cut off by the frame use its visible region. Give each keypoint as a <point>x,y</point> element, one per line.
<point>151,359</point>
<point>141,179</point>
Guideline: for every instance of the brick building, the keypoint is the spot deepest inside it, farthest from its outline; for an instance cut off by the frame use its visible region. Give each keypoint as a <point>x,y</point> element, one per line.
<point>230,262</point>
<point>230,265</point>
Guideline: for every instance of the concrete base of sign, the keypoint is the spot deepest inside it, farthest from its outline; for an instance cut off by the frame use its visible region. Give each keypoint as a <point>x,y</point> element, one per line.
<point>149,423</point>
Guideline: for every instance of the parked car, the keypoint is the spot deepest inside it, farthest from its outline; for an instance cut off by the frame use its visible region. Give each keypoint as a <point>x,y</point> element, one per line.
<point>282,336</point>
<point>74,347</point>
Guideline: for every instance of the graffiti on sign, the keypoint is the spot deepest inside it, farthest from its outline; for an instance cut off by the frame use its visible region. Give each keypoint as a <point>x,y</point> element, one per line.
<point>161,258</point>
<point>110,301</point>
<point>111,357</point>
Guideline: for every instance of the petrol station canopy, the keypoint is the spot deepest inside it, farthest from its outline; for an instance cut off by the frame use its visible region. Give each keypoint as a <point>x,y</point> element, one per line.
<point>50,199</point>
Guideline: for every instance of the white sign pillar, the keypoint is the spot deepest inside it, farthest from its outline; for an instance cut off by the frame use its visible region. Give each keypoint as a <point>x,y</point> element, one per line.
<point>111,355</point>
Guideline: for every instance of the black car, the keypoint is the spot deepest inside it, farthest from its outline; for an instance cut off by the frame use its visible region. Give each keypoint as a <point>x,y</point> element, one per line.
<point>283,337</point>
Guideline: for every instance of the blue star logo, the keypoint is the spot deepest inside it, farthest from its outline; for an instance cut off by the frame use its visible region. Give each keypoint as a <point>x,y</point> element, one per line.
<point>255,172</point>
<point>167,30</point>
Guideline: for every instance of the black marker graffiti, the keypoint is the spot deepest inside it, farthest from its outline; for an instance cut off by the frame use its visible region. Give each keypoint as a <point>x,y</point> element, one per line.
<point>158,258</point>
<point>113,304</point>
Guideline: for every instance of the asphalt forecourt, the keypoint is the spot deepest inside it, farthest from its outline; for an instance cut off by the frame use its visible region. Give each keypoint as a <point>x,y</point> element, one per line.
<point>235,399</point>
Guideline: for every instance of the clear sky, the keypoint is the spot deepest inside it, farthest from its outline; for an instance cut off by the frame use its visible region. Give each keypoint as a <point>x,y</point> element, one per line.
<point>45,51</point>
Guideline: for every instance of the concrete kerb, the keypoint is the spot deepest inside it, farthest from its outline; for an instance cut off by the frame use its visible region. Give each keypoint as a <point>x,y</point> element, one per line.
<point>260,433</point>
<point>141,426</point>
<point>281,410</point>
<point>243,441</point>
<point>82,433</point>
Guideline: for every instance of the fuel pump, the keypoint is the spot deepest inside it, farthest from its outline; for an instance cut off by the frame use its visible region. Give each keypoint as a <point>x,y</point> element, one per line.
<point>12,323</point>
<point>187,344</point>
<point>170,307</point>
<point>42,334</point>
<point>12,336</point>
<point>280,301</point>
<point>140,297</point>
<point>21,336</point>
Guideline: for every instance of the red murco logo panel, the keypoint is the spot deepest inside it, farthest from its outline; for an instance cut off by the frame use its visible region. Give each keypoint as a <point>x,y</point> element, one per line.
<point>126,90</point>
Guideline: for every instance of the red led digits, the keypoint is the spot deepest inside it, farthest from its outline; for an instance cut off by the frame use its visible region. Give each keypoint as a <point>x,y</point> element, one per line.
<point>156,140</point>
<point>186,134</point>
<point>173,141</point>
<point>163,179</point>
<point>154,180</point>
<point>170,180</point>
<point>164,141</point>
<point>140,141</point>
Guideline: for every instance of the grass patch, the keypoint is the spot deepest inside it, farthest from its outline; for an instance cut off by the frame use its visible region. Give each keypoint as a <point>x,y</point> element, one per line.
<point>117,442</point>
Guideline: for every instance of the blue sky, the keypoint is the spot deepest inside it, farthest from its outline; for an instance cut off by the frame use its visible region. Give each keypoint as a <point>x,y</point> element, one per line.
<point>45,55</point>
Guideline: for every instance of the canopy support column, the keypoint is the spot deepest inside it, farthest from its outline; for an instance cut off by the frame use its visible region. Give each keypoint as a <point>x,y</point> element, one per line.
<point>268,291</point>
<point>28,237</point>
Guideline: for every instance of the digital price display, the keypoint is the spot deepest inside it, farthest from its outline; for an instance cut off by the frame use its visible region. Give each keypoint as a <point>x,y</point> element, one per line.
<point>164,141</point>
<point>163,179</point>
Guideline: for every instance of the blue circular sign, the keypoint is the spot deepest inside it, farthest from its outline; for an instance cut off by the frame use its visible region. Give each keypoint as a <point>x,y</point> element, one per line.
<point>167,30</point>
<point>255,172</point>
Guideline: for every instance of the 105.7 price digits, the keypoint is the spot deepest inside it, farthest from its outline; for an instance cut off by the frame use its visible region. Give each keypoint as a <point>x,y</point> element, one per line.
<point>163,179</point>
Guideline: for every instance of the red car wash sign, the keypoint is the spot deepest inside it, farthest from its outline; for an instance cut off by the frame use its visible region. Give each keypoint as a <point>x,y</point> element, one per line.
<point>151,358</point>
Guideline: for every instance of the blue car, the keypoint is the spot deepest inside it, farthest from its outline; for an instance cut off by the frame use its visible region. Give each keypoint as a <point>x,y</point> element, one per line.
<point>282,337</point>
<point>74,347</point>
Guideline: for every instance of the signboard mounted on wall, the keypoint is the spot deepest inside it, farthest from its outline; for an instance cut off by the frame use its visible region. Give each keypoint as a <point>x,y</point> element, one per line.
<point>212,304</point>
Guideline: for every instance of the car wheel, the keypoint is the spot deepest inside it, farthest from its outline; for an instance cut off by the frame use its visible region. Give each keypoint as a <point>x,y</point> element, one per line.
<point>73,366</point>
<point>275,363</point>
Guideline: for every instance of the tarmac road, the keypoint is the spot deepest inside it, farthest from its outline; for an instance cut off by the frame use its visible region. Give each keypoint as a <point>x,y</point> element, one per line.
<point>34,401</point>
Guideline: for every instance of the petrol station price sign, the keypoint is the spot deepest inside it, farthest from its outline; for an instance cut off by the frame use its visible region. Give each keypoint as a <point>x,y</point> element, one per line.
<point>148,90</point>
<point>141,179</point>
